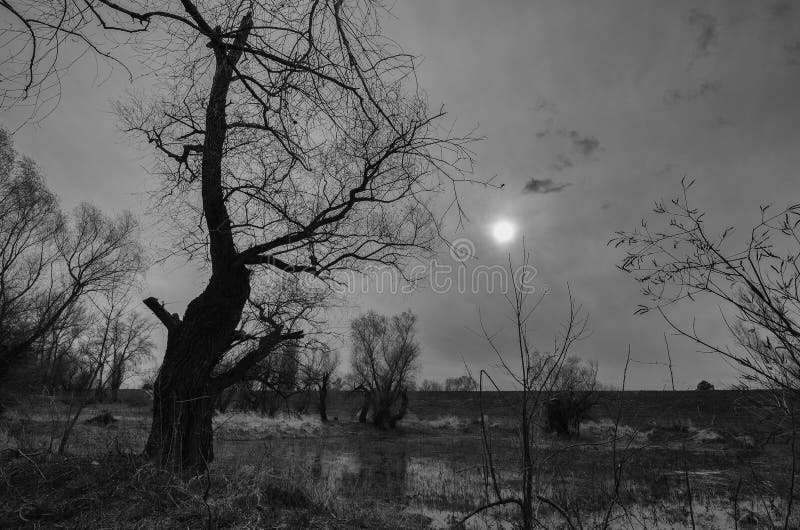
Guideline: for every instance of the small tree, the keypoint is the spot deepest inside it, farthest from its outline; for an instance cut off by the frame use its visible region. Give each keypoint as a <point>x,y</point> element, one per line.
<point>704,385</point>
<point>573,396</point>
<point>464,383</point>
<point>536,377</point>
<point>384,362</point>
<point>677,258</point>
<point>431,386</point>
<point>318,370</point>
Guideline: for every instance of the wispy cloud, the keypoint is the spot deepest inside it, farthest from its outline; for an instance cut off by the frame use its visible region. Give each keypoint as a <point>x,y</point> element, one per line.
<point>779,10</point>
<point>792,52</point>
<point>544,186</point>
<point>584,144</point>
<point>562,162</point>
<point>706,27</point>
<point>673,97</point>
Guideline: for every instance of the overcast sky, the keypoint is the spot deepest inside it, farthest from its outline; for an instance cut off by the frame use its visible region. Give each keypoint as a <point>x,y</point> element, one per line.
<point>589,114</point>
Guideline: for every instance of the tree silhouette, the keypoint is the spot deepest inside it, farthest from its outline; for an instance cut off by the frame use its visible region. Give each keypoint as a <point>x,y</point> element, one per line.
<point>291,140</point>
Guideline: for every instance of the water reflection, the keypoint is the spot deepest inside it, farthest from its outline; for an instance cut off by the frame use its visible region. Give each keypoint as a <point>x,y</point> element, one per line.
<point>439,485</point>
<point>362,469</point>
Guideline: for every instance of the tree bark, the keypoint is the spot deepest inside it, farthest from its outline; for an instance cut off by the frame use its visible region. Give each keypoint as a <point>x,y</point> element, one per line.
<point>323,399</point>
<point>181,436</point>
<point>384,418</point>
<point>185,391</point>
<point>364,410</point>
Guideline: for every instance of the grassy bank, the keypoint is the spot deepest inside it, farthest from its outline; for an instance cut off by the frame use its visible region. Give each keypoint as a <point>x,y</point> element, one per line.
<point>296,472</point>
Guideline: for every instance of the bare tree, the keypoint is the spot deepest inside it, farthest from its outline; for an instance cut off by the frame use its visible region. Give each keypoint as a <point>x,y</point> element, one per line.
<point>431,386</point>
<point>291,138</point>
<point>384,362</point>
<point>573,395</point>
<point>120,340</point>
<point>754,279</point>
<point>464,383</point>
<point>57,360</point>
<point>318,369</point>
<point>677,258</point>
<point>132,345</point>
<point>50,261</point>
<point>535,376</point>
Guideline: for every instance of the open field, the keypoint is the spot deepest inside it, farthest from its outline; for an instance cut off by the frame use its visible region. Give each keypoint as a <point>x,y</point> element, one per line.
<point>300,473</point>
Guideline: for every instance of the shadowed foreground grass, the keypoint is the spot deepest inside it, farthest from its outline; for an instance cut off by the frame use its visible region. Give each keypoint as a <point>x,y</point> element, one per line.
<point>296,472</point>
<point>124,491</point>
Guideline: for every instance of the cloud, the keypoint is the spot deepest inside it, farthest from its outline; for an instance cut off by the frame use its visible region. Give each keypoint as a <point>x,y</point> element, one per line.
<point>605,206</point>
<point>545,105</point>
<point>585,144</point>
<point>562,162</point>
<point>544,186</point>
<point>792,52</point>
<point>673,97</point>
<point>707,29</point>
<point>780,10</point>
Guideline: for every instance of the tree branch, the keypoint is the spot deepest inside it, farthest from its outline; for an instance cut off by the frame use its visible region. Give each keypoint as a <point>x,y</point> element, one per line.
<point>170,320</point>
<point>277,263</point>
<point>265,345</point>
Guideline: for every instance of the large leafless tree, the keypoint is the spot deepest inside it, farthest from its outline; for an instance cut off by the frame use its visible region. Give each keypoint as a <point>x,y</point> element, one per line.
<point>291,138</point>
<point>50,261</point>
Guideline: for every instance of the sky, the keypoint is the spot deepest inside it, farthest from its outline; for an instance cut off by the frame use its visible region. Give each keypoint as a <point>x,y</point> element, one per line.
<point>589,114</point>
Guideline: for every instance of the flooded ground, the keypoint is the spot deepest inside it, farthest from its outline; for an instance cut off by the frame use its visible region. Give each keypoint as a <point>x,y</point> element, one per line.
<point>435,469</point>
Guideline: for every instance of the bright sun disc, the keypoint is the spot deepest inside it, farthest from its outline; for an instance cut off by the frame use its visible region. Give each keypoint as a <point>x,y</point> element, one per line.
<point>503,231</point>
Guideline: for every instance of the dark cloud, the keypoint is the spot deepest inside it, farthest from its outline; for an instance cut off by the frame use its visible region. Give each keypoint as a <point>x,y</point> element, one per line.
<point>605,206</point>
<point>707,29</point>
<point>562,162</point>
<point>584,144</point>
<point>673,97</point>
<point>779,10</point>
<point>792,52</point>
<point>544,186</point>
<point>545,105</point>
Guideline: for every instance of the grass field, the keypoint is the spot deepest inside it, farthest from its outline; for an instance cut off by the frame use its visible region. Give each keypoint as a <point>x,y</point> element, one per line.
<point>684,456</point>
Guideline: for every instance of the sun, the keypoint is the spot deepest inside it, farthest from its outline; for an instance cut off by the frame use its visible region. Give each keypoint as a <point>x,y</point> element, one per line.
<point>503,231</point>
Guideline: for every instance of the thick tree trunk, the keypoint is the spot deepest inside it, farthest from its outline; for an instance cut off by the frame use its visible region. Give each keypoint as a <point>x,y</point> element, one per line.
<point>185,390</point>
<point>323,399</point>
<point>364,410</point>
<point>384,417</point>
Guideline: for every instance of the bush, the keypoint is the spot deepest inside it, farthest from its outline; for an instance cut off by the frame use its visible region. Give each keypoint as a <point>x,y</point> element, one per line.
<point>704,385</point>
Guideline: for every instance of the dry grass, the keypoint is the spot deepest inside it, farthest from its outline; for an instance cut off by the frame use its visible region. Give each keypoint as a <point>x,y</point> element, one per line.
<point>126,492</point>
<point>296,472</point>
<point>249,425</point>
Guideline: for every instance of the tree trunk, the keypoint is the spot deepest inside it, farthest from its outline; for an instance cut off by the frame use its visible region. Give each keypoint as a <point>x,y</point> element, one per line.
<point>401,412</point>
<point>323,398</point>
<point>185,390</point>
<point>99,393</point>
<point>364,410</point>
<point>384,418</point>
